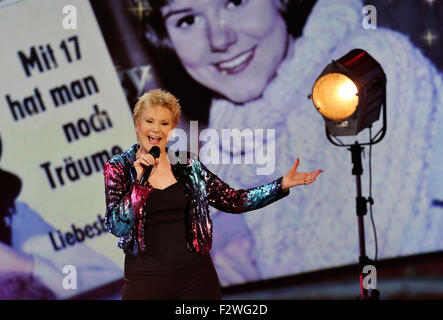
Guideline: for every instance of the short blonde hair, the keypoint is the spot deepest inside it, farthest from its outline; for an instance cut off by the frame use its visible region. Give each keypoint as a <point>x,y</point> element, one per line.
<point>158,97</point>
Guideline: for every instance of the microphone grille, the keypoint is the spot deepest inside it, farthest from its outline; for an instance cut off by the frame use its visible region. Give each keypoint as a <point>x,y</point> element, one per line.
<point>155,152</point>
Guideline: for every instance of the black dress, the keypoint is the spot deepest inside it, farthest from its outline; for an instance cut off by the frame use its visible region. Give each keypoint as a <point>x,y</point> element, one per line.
<point>168,270</point>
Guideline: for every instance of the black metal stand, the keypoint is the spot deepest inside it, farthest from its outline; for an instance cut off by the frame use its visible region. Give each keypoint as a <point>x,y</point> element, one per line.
<point>357,171</point>
<point>363,260</point>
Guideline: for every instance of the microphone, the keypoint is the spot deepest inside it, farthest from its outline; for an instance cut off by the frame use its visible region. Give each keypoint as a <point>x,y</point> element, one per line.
<point>155,152</point>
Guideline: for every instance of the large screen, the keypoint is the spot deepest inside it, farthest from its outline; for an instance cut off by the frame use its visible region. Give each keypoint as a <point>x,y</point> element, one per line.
<point>243,71</point>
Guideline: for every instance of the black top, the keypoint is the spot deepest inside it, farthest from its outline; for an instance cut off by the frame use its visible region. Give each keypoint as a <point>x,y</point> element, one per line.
<point>164,233</point>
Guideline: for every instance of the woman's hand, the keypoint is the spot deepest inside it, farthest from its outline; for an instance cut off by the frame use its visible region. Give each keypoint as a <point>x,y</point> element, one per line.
<point>293,178</point>
<point>147,160</point>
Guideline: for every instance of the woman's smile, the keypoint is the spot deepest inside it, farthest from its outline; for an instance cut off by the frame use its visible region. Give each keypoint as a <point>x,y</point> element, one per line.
<point>154,140</point>
<point>236,64</point>
<point>231,47</point>
<point>153,127</point>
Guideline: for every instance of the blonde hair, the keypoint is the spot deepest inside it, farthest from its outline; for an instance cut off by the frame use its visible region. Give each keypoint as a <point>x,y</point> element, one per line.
<point>158,97</point>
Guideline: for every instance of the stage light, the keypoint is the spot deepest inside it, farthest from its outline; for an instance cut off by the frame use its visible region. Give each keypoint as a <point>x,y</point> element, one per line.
<point>349,93</point>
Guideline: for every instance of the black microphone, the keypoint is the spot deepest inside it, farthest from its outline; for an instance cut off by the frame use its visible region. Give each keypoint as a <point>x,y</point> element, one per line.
<point>155,152</point>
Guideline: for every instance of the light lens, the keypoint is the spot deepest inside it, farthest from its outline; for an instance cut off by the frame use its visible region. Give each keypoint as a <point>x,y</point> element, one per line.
<point>335,96</point>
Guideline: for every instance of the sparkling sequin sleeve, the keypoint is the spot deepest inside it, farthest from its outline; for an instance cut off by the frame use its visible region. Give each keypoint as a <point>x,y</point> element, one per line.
<point>124,200</point>
<point>223,197</point>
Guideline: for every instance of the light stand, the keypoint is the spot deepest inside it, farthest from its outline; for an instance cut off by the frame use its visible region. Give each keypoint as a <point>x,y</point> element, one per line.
<point>361,209</point>
<point>350,93</point>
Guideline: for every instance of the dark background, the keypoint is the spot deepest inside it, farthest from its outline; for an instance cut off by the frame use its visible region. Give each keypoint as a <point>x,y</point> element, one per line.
<point>414,18</point>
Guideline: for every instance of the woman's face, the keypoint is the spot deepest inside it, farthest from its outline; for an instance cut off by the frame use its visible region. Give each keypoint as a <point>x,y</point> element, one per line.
<point>154,127</point>
<point>232,47</point>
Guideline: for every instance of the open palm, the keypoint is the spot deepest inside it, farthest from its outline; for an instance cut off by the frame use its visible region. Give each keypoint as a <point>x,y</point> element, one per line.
<point>293,178</point>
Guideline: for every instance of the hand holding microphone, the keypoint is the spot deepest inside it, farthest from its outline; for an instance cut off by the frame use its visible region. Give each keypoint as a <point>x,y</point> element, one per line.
<point>145,163</point>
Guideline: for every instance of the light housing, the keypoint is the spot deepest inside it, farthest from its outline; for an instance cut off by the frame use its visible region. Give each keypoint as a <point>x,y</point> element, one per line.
<point>349,93</point>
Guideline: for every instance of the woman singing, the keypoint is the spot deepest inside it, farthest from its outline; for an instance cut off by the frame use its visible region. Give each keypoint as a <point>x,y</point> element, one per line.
<point>164,225</point>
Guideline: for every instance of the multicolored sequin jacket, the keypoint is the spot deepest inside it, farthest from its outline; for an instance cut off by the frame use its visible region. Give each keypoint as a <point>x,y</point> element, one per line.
<point>125,199</point>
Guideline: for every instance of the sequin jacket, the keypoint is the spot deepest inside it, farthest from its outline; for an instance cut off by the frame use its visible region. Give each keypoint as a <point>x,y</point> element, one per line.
<point>125,199</point>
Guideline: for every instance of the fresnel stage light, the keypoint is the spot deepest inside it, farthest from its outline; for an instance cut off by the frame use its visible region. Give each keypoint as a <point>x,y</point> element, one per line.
<point>349,94</point>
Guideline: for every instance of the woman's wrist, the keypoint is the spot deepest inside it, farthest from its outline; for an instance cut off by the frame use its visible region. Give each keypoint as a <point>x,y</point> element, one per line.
<point>284,186</point>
